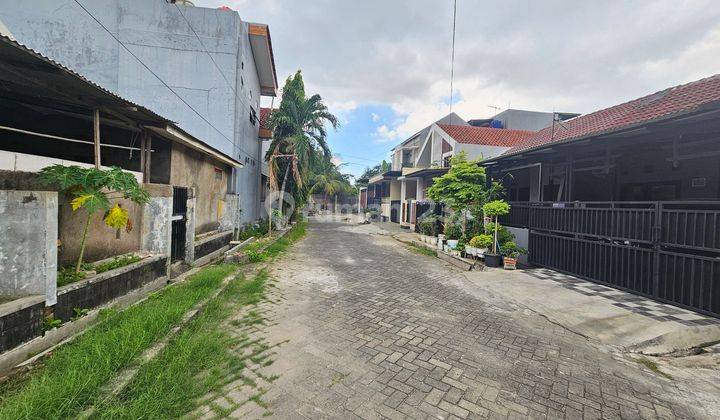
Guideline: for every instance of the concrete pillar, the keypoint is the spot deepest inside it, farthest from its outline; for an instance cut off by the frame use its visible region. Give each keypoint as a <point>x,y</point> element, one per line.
<point>190,227</point>
<point>28,244</point>
<point>157,219</point>
<point>420,189</point>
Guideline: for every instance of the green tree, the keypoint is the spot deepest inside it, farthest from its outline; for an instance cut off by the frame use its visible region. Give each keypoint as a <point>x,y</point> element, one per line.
<point>463,187</point>
<point>329,182</point>
<point>92,189</point>
<point>364,178</point>
<point>495,209</point>
<point>299,137</point>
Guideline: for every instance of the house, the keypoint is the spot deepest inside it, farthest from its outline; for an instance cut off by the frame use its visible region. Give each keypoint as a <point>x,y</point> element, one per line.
<point>265,136</point>
<point>426,155</point>
<point>627,196</point>
<point>205,69</point>
<point>50,115</point>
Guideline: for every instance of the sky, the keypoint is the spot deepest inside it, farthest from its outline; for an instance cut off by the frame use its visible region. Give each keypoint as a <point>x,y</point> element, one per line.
<point>383,66</point>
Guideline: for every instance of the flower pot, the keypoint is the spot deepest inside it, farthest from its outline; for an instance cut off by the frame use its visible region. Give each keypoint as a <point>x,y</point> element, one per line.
<point>452,243</point>
<point>510,263</point>
<point>446,248</point>
<point>470,250</point>
<point>481,252</point>
<point>493,260</point>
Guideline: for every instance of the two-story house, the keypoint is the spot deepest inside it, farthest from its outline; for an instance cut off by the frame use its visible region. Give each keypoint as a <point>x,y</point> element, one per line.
<point>426,155</point>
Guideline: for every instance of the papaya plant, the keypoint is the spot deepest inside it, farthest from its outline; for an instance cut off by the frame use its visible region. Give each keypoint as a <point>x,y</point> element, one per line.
<point>93,189</point>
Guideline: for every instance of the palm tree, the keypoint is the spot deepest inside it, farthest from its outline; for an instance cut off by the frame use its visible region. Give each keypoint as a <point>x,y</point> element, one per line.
<point>329,181</point>
<point>298,135</point>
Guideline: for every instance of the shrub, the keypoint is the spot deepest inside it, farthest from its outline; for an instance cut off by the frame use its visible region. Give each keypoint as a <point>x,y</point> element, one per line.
<point>453,230</point>
<point>481,241</point>
<point>117,262</point>
<point>496,208</point>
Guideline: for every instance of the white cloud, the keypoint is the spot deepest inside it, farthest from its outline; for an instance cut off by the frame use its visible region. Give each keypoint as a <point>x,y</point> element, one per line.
<point>561,55</point>
<point>383,134</point>
<point>375,117</point>
<point>336,160</point>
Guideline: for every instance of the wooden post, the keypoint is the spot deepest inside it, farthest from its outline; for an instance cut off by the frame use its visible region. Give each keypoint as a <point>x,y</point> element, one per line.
<point>148,155</point>
<point>96,137</point>
<point>143,145</point>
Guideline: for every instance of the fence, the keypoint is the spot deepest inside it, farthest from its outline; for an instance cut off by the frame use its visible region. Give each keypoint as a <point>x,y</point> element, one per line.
<point>665,250</point>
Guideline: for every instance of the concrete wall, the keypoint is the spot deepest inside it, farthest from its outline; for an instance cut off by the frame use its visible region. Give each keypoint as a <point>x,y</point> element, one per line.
<point>28,231</point>
<point>475,151</point>
<point>156,225</point>
<point>102,241</point>
<point>193,169</point>
<point>518,119</point>
<point>157,33</point>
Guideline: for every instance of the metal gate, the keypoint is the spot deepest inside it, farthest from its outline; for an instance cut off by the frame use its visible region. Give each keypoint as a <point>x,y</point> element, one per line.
<point>395,211</point>
<point>668,251</point>
<point>179,217</point>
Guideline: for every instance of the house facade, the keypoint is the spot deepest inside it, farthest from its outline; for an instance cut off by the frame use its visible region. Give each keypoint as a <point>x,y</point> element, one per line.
<point>427,154</point>
<point>205,69</point>
<point>51,115</point>
<point>628,196</point>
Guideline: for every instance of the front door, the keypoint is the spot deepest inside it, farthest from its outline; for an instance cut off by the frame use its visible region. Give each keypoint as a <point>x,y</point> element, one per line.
<point>179,217</point>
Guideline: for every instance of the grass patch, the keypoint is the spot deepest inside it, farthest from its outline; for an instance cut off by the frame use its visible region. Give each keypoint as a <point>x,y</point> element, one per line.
<point>67,275</point>
<point>653,366</point>
<point>253,250</point>
<point>201,359</point>
<point>419,249</point>
<point>72,377</point>
<point>117,262</point>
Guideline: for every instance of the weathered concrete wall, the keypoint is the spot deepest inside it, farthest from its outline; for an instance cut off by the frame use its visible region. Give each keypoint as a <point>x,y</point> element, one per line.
<point>197,171</point>
<point>156,225</point>
<point>159,35</point>
<point>28,232</point>
<point>228,220</point>
<point>102,241</point>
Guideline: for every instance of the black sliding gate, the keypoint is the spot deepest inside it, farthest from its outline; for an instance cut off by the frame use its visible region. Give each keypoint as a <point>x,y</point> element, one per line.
<point>668,251</point>
<point>179,217</point>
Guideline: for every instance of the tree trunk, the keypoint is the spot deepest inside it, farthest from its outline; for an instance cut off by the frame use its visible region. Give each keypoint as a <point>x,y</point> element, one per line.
<point>282,190</point>
<point>82,243</point>
<point>496,235</point>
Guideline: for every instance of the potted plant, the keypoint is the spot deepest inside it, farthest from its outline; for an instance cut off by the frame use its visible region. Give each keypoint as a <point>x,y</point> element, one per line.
<point>453,232</point>
<point>495,209</point>
<point>511,252</point>
<point>480,244</point>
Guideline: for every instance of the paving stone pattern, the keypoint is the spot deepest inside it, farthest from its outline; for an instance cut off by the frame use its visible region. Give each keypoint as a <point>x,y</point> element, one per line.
<point>375,330</point>
<point>640,305</point>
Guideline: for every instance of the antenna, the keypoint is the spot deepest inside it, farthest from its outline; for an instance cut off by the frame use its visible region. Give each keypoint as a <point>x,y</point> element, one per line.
<point>452,58</point>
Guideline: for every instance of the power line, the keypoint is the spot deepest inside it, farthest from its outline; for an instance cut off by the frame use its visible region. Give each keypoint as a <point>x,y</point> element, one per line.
<point>452,59</point>
<point>156,76</point>
<point>230,85</point>
<point>202,45</point>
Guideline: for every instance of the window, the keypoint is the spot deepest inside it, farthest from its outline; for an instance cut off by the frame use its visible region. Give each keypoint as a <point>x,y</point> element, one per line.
<point>218,173</point>
<point>253,116</point>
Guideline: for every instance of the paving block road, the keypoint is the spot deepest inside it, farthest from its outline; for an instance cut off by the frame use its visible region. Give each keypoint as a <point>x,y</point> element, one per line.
<point>368,328</point>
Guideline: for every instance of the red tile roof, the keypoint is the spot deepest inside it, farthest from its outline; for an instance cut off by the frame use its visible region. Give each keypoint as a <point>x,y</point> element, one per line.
<point>666,103</point>
<point>487,136</point>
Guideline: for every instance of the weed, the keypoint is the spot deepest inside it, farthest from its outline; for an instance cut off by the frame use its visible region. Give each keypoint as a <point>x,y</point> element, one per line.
<point>50,323</point>
<point>68,275</point>
<point>117,262</point>
<point>79,313</point>
<point>72,377</point>
<point>423,250</point>
<point>653,366</point>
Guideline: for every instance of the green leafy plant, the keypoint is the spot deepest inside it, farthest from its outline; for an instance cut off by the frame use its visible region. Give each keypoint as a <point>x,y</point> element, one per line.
<point>483,241</point>
<point>463,187</point>
<point>496,209</point>
<point>50,323</point>
<point>79,313</point>
<point>68,275</point>
<point>453,230</point>
<point>91,189</point>
<point>428,225</point>
<point>117,262</point>
<point>255,256</point>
